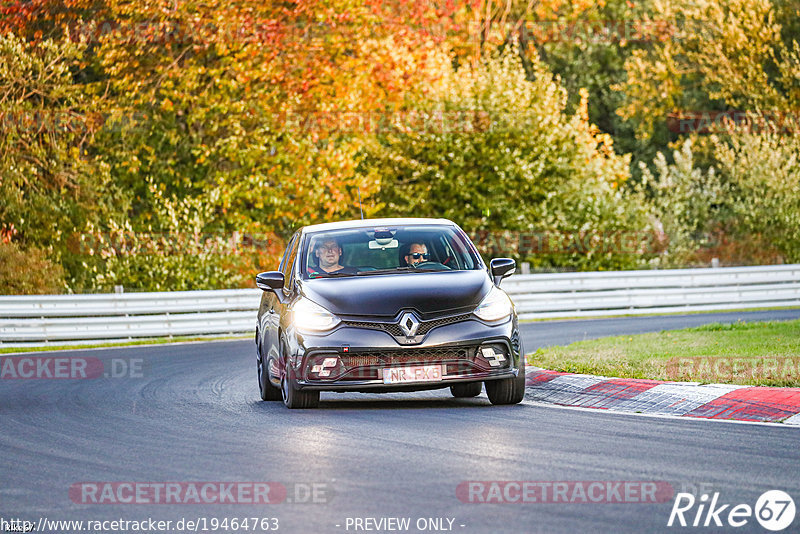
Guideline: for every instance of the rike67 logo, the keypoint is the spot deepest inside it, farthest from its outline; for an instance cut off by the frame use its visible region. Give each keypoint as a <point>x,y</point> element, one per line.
<point>774,510</point>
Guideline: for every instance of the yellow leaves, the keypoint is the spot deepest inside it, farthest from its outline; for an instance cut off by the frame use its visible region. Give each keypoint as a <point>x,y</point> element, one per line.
<point>726,50</point>
<point>583,107</point>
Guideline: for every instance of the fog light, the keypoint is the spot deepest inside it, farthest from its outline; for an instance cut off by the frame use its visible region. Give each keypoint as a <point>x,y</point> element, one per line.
<point>493,358</point>
<point>324,366</point>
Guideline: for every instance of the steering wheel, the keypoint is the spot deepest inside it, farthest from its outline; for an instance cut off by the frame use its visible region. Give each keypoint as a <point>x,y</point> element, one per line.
<point>433,266</point>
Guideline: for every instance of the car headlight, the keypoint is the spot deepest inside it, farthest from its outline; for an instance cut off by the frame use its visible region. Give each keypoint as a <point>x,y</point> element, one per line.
<point>495,306</point>
<point>311,317</point>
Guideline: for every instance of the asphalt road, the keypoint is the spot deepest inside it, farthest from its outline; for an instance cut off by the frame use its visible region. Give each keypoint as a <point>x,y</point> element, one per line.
<point>192,414</point>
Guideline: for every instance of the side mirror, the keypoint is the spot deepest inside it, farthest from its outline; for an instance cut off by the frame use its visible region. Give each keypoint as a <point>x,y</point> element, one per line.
<point>270,280</point>
<point>501,268</point>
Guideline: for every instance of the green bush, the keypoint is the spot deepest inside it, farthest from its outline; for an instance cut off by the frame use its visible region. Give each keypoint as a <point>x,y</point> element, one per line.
<point>28,272</point>
<point>174,253</point>
<point>762,171</point>
<point>745,209</point>
<point>686,202</point>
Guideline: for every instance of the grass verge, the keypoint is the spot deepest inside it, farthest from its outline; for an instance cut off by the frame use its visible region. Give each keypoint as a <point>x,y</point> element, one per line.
<point>752,353</point>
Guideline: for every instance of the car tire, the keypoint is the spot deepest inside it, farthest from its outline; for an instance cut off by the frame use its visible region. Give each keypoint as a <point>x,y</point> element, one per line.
<point>295,398</point>
<point>508,390</point>
<point>473,389</point>
<point>267,390</point>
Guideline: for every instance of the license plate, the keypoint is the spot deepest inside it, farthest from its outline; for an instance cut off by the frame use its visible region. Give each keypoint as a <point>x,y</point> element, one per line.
<point>414,373</point>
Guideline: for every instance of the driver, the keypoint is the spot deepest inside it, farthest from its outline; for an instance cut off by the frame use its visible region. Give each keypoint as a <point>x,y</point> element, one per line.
<point>328,252</point>
<point>417,253</point>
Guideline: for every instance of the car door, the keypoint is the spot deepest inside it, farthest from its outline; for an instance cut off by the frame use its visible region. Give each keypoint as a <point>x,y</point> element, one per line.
<point>277,306</point>
<point>271,305</point>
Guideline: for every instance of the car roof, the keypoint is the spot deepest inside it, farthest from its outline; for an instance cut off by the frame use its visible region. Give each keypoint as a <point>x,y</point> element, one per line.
<point>369,223</point>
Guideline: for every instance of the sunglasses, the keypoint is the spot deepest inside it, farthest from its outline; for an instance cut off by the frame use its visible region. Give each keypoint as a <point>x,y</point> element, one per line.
<point>418,255</point>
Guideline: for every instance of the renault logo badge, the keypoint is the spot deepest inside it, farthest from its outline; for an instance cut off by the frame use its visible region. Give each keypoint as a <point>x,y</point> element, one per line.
<point>409,324</point>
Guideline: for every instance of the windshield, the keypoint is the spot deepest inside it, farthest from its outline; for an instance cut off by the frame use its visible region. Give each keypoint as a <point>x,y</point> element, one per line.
<point>387,250</point>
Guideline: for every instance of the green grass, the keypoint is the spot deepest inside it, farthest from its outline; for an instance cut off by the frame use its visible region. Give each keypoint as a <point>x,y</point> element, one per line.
<point>756,353</point>
<point>152,341</point>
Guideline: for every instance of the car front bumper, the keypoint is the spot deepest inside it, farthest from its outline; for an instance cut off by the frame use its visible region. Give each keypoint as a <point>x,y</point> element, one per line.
<point>362,354</point>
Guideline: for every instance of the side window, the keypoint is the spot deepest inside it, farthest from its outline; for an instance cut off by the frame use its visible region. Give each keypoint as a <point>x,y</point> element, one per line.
<point>447,256</point>
<point>288,262</point>
<point>286,254</point>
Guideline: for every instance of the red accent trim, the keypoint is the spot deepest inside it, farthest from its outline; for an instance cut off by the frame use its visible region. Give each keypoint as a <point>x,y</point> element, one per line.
<point>541,376</point>
<point>752,404</point>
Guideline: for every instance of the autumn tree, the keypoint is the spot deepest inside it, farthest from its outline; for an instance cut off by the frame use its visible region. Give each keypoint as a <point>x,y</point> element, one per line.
<point>48,184</point>
<point>735,54</point>
<point>740,57</point>
<point>498,152</point>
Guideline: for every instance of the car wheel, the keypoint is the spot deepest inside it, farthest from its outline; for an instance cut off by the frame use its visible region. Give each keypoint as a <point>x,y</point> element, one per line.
<point>296,398</point>
<point>473,389</point>
<point>268,391</point>
<point>508,390</point>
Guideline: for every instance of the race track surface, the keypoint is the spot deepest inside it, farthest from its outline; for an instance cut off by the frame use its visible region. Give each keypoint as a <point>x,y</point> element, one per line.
<point>193,414</point>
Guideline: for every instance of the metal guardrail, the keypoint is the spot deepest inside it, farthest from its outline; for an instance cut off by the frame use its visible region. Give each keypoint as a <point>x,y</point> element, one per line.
<point>65,319</point>
<point>598,294</point>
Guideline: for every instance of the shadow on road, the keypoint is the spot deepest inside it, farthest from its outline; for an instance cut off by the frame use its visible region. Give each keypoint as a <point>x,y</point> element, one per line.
<point>351,401</point>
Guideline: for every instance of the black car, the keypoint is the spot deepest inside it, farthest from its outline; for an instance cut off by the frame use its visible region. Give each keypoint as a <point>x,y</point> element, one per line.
<point>386,305</point>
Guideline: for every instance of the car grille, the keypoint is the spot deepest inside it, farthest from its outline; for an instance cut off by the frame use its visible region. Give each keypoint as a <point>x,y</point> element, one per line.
<point>388,357</point>
<point>424,326</point>
<point>392,328</point>
<point>368,365</point>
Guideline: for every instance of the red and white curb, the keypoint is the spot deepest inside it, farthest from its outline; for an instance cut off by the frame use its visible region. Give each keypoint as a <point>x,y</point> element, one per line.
<point>688,399</point>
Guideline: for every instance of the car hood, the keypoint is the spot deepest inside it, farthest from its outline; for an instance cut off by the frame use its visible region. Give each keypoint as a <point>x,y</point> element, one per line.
<point>431,293</point>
